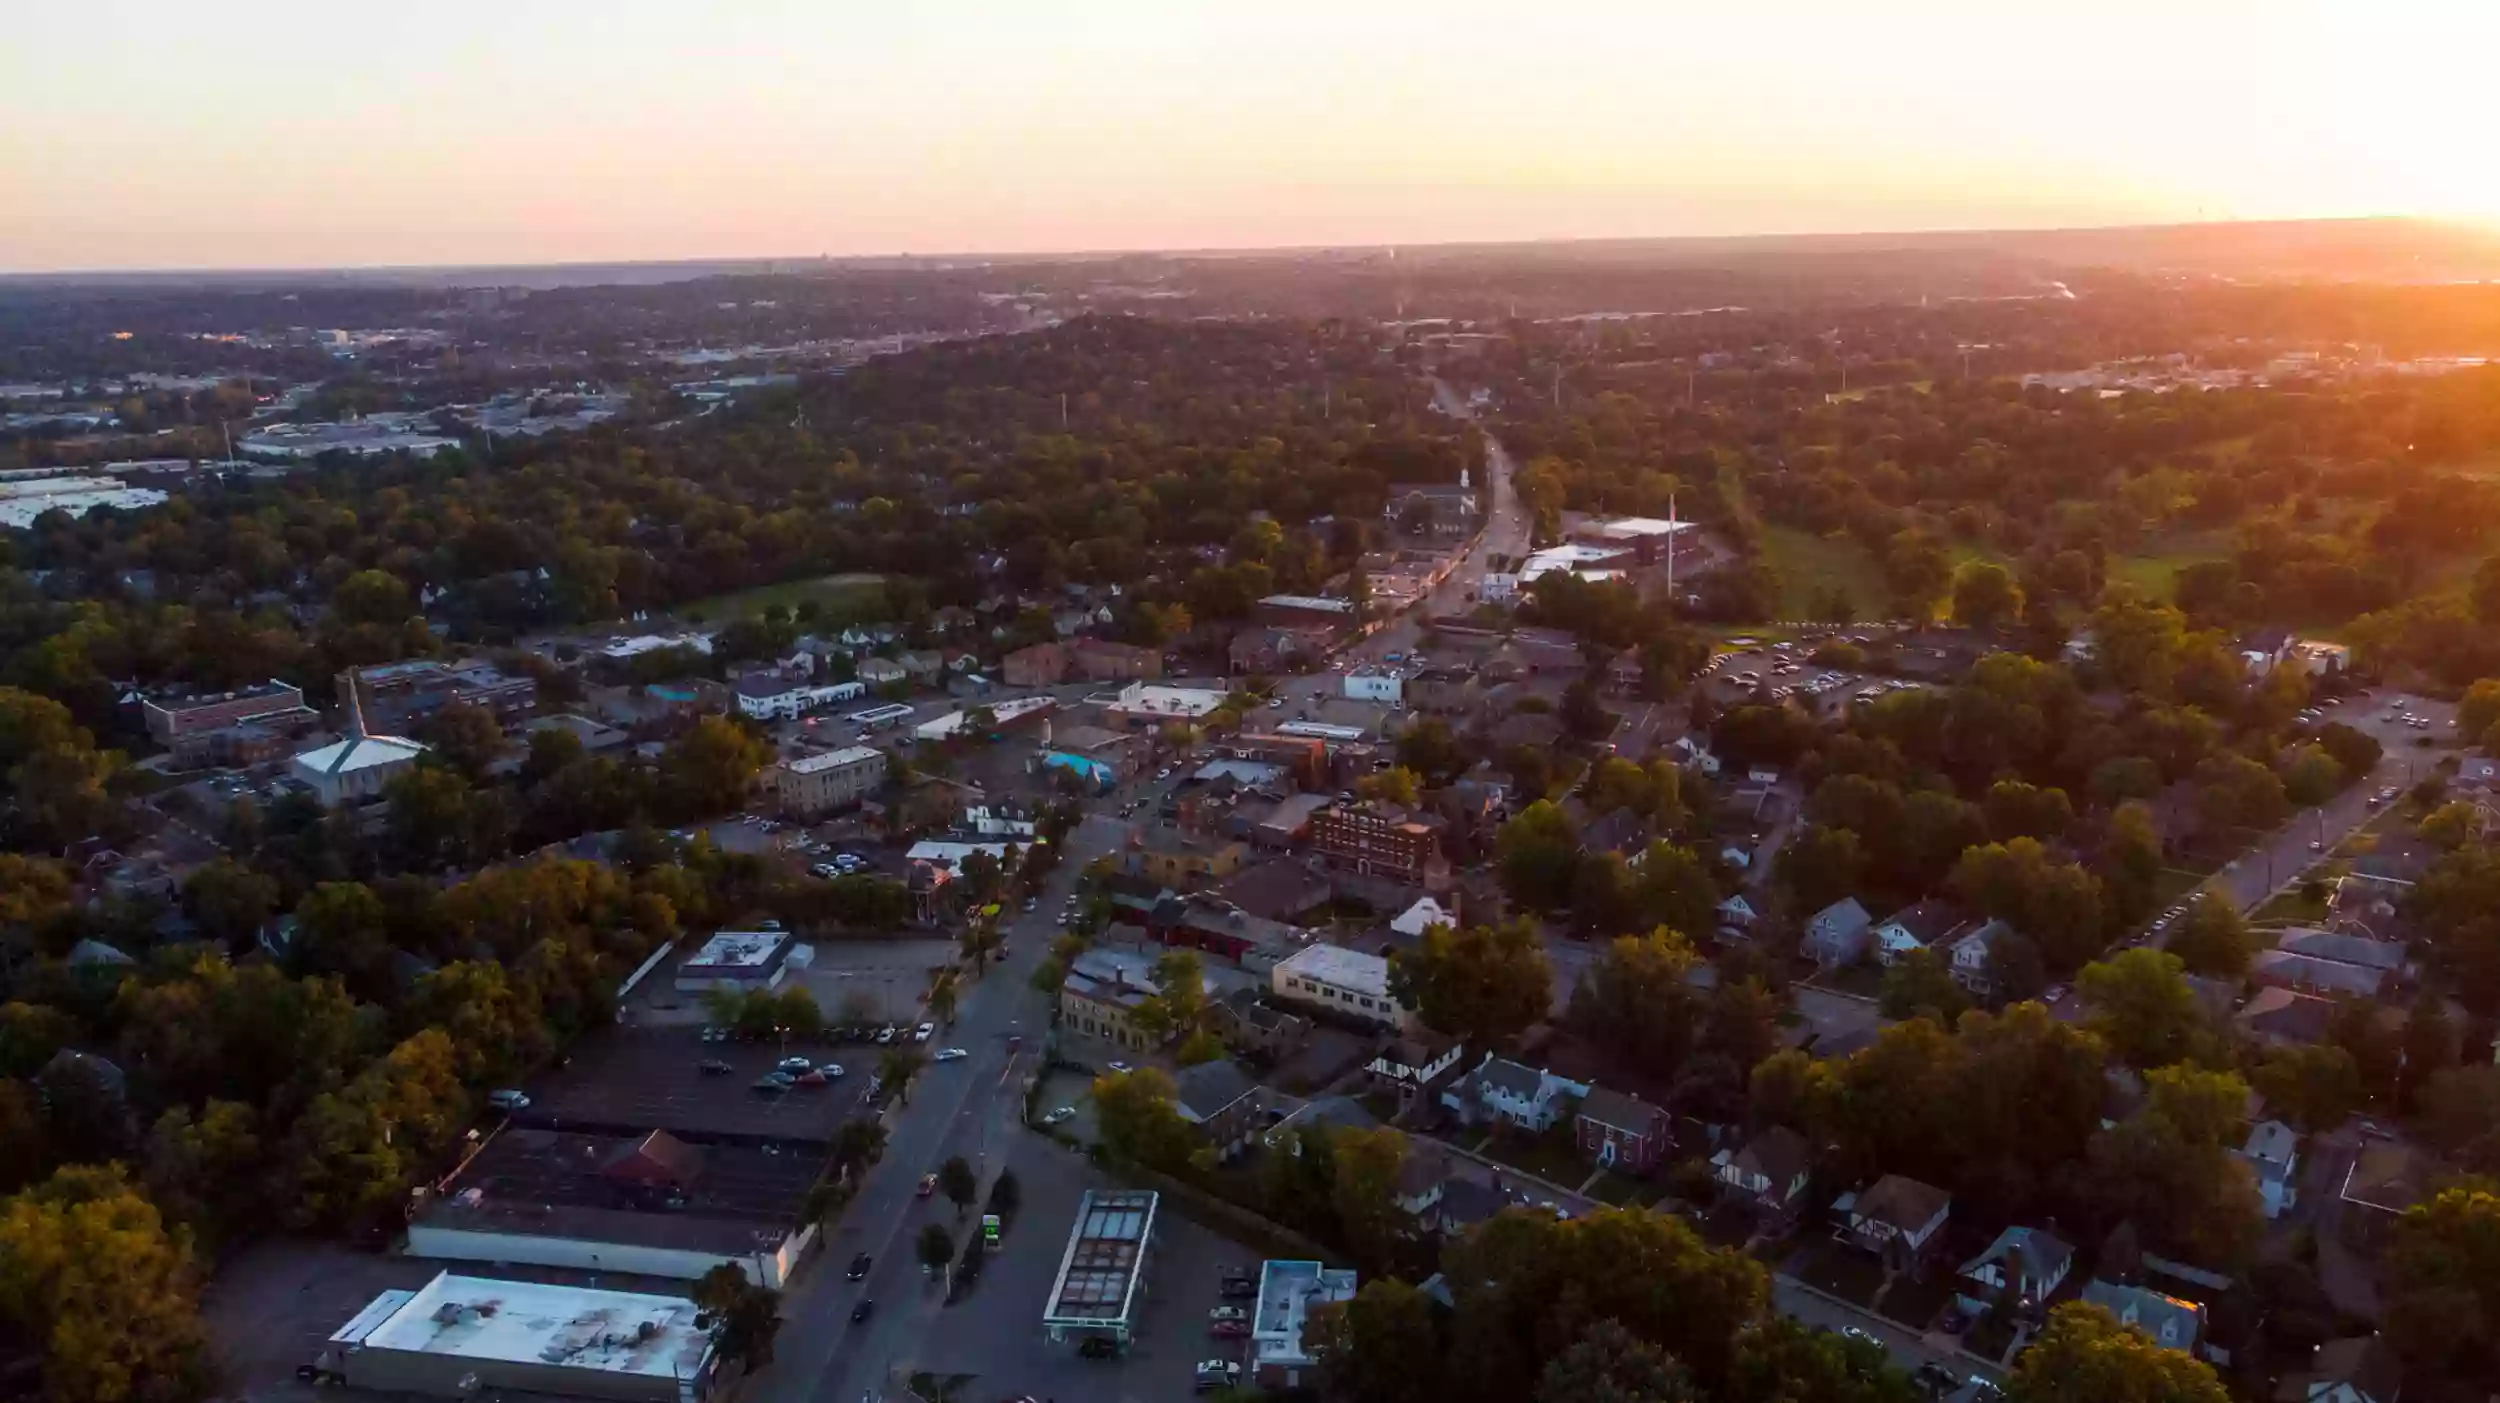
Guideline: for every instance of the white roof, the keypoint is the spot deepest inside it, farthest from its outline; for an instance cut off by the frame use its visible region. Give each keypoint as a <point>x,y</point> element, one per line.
<point>739,949</point>
<point>1339,968</point>
<point>526,1322</point>
<point>1186,702</point>
<point>1423,915</point>
<point>359,753</point>
<point>1287,1291</point>
<point>951,854</point>
<point>834,760</point>
<point>1633,528</point>
<point>1315,603</point>
<point>939,728</point>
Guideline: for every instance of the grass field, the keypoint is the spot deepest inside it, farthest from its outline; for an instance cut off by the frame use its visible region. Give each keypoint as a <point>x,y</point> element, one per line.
<point>1810,567</point>
<point>854,598</point>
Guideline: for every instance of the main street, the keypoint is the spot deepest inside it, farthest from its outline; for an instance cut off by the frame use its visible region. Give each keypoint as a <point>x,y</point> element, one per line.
<point>1505,533</point>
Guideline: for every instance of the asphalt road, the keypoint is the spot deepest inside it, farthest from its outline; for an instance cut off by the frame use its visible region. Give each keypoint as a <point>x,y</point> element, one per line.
<point>1505,533</point>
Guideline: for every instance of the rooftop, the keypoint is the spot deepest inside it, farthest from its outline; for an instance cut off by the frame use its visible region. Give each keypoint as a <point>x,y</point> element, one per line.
<point>738,949</point>
<point>631,1080</point>
<point>1188,703</point>
<point>1313,603</point>
<point>1203,1091</point>
<point>527,1322</point>
<point>835,760</point>
<point>1338,967</point>
<point>359,753</point>
<point>1287,1291</point>
<point>1097,1281</point>
<point>651,1190</point>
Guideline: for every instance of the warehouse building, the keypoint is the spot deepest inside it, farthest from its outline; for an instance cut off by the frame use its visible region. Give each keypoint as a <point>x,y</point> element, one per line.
<point>468,1337</point>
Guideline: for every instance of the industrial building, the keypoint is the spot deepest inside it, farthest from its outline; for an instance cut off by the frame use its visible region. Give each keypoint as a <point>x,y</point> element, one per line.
<point>468,1337</point>
<point>1095,1295</point>
<point>739,961</point>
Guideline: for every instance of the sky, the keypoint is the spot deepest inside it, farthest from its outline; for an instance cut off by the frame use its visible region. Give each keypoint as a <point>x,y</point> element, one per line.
<point>286,134</point>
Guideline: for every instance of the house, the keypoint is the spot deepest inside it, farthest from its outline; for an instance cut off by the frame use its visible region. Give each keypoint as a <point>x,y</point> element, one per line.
<point>2362,1369</point>
<point>1696,754</point>
<point>1422,916</point>
<point>1267,651</point>
<point>882,672</point>
<point>1621,831</point>
<point>2166,1320</point>
<point>2289,969</point>
<point>1769,1174</point>
<point>2386,1178</point>
<point>1099,660</point>
<point>1248,1024</point>
<point>1279,890</point>
<point>1413,1063</point>
<point>1220,1101</point>
<point>2285,1018</point>
<point>1423,1179</point>
<point>1737,912</point>
<point>2344,947</point>
<point>2273,1154</point>
<point>921,667</point>
<point>1914,927</point>
<point>1838,934</point>
<point>1898,1219</point>
<point>2024,1266</point>
<point>1970,956</point>
<point>1504,1092</point>
<point>1042,665</point>
<point>1623,1132</point>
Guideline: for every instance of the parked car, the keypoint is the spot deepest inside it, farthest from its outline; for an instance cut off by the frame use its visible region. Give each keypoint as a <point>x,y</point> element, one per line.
<point>922,1033</point>
<point>1063,1113</point>
<point>1217,1373</point>
<point>885,1035</point>
<point>773,1083</point>
<point>796,1066</point>
<point>1122,1067</point>
<point>714,1067</point>
<point>1230,1329</point>
<point>508,1099</point>
<point>1223,1313</point>
<point>948,1054</point>
<point>1238,1285</point>
<point>859,1267</point>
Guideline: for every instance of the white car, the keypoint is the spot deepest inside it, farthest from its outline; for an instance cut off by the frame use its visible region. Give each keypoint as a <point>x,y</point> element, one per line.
<point>1063,1113</point>
<point>948,1054</point>
<point>922,1033</point>
<point>508,1100</point>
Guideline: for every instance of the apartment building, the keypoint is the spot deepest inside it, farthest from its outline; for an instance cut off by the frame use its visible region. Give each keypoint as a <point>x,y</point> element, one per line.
<point>815,784</point>
<point>1378,839</point>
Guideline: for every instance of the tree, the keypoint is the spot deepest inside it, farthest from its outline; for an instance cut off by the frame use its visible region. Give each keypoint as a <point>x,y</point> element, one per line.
<point>2131,862</point>
<point>960,1185</point>
<point>1136,1116</point>
<point>896,1069</point>
<point>745,1316</point>
<point>1483,984</point>
<point>230,901</point>
<point>2440,1265</point>
<point>1921,984</point>
<point>464,737</point>
<point>2143,1008</point>
<point>2479,710</point>
<point>107,1299</point>
<point>936,1248</point>
<point>2019,810</point>
<point>2213,939</point>
<point>1383,1346</point>
<point>1985,596</point>
<point>1539,852</point>
<point>2311,776</point>
<point>1178,1007</point>
<point>2234,791</point>
<point>1364,1193</point>
<point>2057,904</point>
<point>2450,826</point>
<point>2314,1087</point>
<point>1609,1365</point>
<point>1398,785</point>
<point>1671,887</point>
<point>2173,1168</point>
<point>1637,1001</point>
<point>1821,865</point>
<point>2086,1356</point>
<point>707,770</point>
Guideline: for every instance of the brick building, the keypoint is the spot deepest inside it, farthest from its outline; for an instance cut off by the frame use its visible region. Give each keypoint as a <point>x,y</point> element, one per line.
<point>1378,839</point>
<point>172,720</point>
<point>403,696</point>
<point>815,784</point>
<point>1042,665</point>
<point>1100,660</point>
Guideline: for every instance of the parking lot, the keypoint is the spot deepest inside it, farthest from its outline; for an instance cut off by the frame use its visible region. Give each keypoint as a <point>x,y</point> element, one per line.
<point>638,1079</point>
<point>1784,669</point>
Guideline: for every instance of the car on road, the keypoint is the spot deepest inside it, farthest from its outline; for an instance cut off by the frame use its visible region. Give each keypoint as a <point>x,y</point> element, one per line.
<point>1230,1329</point>
<point>885,1035</point>
<point>2316,847</point>
<point>1063,1113</point>
<point>1032,904</point>
<point>1217,1373</point>
<point>928,1186</point>
<point>1224,1313</point>
<point>863,1310</point>
<point>508,1099</point>
<point>2055,993</point>
<point>1164,773</point>
<point>1122,1067</point>
<point>860,1265</point>
<point>948,1054</point>
<point>922,1033</point>
<point>1852,1332</point>
<point>714,1067</point>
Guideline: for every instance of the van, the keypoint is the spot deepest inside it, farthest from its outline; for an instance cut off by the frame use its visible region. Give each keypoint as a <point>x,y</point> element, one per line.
<point>508,1099</point>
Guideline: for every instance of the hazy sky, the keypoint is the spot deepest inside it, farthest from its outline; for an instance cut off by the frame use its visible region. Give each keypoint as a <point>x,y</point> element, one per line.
<point>277,133</point>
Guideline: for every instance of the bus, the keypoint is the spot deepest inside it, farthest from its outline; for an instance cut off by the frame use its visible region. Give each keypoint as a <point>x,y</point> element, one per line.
<point>877,718</point>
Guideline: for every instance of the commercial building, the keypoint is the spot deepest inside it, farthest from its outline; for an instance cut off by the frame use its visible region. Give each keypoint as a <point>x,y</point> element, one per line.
<point>1377,684</point>
<point>357,766</point>
<point>1003,715</point>
<point>1379,839</point>
<point>1142,704</point>
<point>1041,665</point>
<point>404,695</point>
<point>738,961</point>
<point>1170,858</point>
<point>815,784</point>
<point>1305,609</point>
<point>1105,987</point>
<point>1279,1357</point>
<point>652,1204</point>
<point>467,1336</point>
<point>23,501</point>
<point>171,720</point>
<point>1646,537</point>
<point>1095,1294</point>
<point>1100,660</point>
<point>1101,757</point>
<point>1346,981</point>
<point>775,695</point>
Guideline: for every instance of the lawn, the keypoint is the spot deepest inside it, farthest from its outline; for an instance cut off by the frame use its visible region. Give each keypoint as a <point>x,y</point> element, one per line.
<point>1915,1303</point>
<point>1841,1271</point>
<point>2289,908</point>
<point>840,599</point>
<point>1810,567</point>
<point>2176,884</point>
<point>1550,1157</point>
<point>1612,1187</point>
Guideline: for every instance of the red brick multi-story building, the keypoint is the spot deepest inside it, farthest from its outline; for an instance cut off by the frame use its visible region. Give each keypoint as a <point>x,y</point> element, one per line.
<point>1378,839</point>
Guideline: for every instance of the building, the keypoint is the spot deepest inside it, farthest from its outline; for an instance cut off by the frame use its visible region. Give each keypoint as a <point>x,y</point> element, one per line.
<point>882,672</point>
<point>1095,1293</point>
<point>1376,684</point>
<point>1838,934</point>
<point>1898,1219</point>
<point>2023,1267</point>
<point>1381,840</point>
<point>1500,1091</point>
<point>2279,1017</point>
<point>403,696</point>
<point>1041,665</point>
<point>1248,1024</point>
<point>1623,1132</point>
<point>1279,1358</point>
<point>357,766</point>
<point>739,961</point>
<point>1346,982</point>
<point>816,784</point>
<point>1221,1103</point>
<point>2166,1320</point>
<point>1917,926</point>
<point>1141,705</point>
<point>1268,651</point>
<point>1100,660</point>
<point>1970,958</point>
<point>467,1336</point>
<point>2362,1369</point>
<point>2273,1155</point>
<point>1769,1174</point>
<point>776,694</point>
<point>2320,659</point>
<point>1446,690</point>
<point>1305,609</point>
<point>650,1205</point>
<point>1170,858</point>
<point>954,724</point>
<point>2289,969</point>
<point>1105,987</point>
<point>1414,1063</point>
<point>173,720</point>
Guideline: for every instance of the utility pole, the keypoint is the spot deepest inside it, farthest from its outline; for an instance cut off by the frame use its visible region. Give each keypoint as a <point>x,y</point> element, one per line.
<point>1063,411</point>
<point>1558,384</point>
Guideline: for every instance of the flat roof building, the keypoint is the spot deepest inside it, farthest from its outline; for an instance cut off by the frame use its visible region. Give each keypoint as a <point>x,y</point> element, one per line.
<point>1287,1290</point>
<point>813,784</point>
<point>1006,713</point>
<point>463,1336</point>
<point>738,959</point>
<point>1146,703</point>
<point>1095,1294</point>
<point>1348,981</point>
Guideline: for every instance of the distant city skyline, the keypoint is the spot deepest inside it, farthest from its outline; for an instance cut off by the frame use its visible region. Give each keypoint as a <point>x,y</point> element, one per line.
<point>290,135</point>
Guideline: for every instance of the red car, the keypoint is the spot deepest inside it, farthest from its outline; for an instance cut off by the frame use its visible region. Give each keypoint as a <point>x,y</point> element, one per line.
<point>1230,1329</point>
<point>928,1185</point>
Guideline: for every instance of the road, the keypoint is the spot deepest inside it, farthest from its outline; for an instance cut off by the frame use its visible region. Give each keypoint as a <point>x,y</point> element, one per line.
<point>968,1107</point>
<point>1505,533</point>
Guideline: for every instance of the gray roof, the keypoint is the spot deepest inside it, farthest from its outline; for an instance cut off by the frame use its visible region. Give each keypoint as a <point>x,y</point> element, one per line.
<point>1842,917</point>
<point>1903,1202</point>
<point>1927,921</point>
<point>2314,972</point>
<point>2034,1255</point>
<point>1503,1074</point>
<point>1778,1154</point>
<point>2166,1319</point>
<point>1203,1091</point>
<point>2348,949</point>
<point>1614,1108</point>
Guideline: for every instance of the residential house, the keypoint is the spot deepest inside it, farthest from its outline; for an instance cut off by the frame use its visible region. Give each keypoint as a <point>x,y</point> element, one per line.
<point>1694,752</point>
<point>1970,956</point>
<point>1917,926</point>
<point>1736,916</point>
<point>922,667</point>
<point>882,672</point>
<point>2284,1018</point>
<point>2166,1320</point>
<point>1622,832</point>
<point>2023,1267</point>
<point>1221,1103</point>
<point>1252,1026</point>
<point>1272,650</point>
<point>2362,1369</point>
<point>1838,934</point>
<point>1279,889</point>
<point>1500,1091</point>
<point>2273,1154</point>
<point>1423,1179</point>
<point>2289,969</point>
<point>2344,947</point>
<point>1042,665</point>
<point>1769,1174</point>
<point>1898,1219</point>
<point>1623,1132</point>
<point>1413,1063</point>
